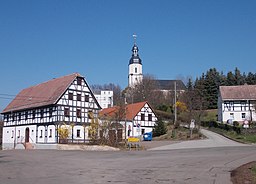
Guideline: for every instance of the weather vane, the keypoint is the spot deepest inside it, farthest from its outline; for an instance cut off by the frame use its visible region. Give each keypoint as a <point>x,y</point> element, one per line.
<point>134,37</point>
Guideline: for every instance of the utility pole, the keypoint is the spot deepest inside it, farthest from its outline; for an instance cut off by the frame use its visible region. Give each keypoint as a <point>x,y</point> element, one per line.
<point>175,100</point>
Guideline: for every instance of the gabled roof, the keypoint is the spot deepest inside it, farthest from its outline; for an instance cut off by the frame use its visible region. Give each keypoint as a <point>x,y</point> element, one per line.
<point>169,85</point>
<point>243,92</point>
<point>43,94</point>
<point>131,111</point>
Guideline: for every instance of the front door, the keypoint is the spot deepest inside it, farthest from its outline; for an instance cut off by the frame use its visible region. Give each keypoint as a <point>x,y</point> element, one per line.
<point>27,135</point>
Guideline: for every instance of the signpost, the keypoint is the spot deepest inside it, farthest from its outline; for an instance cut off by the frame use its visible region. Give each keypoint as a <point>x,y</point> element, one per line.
<point>192,126</point>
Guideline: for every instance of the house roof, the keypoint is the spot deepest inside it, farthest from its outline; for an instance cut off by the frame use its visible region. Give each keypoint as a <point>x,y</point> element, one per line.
<point>243,92</point>
<point>43,94</point>
<point>169,85</point>
<point>131,110</point>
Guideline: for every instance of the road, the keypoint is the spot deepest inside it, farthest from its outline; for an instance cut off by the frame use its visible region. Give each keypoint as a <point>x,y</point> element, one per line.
<point>203,165</point>
<point>213,140</point>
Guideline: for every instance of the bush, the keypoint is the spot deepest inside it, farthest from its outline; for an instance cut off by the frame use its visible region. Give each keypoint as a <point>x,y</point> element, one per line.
<point>159,129</point>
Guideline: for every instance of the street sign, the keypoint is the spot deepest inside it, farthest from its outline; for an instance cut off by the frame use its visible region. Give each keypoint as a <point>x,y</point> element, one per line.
<point>192,124</point>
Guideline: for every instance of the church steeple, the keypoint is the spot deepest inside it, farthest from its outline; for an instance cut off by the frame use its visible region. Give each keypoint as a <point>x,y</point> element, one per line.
<point>135,52</point>
<point>135,65</point>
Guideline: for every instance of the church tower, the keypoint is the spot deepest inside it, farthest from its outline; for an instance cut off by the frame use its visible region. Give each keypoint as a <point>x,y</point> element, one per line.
<point>135,66</point>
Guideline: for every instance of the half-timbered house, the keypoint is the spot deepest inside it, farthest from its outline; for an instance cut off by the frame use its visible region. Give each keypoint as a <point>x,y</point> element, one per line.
<point>136,119</point>
<point>237,103</point>
<point>32,119</point>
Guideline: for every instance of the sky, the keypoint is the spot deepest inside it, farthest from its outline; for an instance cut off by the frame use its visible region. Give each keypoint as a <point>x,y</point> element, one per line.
<point>45,39</point>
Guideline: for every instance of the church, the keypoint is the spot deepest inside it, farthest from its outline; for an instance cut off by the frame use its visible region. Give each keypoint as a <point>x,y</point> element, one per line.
<point>135,74</point>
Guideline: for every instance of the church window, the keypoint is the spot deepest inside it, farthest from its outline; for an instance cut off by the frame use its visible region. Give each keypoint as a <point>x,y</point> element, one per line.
<point>66,112</point>
<point>70,96</point>
<point>142,116</point>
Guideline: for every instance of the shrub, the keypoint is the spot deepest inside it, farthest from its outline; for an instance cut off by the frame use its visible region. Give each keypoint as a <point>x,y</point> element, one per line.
<point>159,129</point>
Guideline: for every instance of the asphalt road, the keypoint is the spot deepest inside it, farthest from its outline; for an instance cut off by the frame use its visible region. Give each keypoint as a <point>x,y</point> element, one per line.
<point>203,165</point>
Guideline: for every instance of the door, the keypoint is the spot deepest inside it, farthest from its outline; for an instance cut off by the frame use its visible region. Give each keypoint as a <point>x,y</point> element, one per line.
<point>27,135</point>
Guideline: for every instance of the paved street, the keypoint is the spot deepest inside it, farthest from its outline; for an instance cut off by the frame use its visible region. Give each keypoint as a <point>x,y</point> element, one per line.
<point>210,165</point>
<point>213,140</point>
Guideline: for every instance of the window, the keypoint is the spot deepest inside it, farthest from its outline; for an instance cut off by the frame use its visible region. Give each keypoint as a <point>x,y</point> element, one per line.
<point>90,114</point>
<point>142,117</point>
<point>86,98</point>
<point>78,133</point>
<point>18,133</point>
<point>50,112</point>
<point>66,112</point>
<point>26,115</point>
<point>7,117</point>
<point>42,113</point>
<point>19,116</point>
<point>41,134</point>
<point>149,117</point>
<point>79,81</point>
<point>78,113</point>
<point>70,96</point>
<point>231,115</point>
<point>50,133</point>
<point>135,70</point>
<point>243,115</point>
<point>78,97</point>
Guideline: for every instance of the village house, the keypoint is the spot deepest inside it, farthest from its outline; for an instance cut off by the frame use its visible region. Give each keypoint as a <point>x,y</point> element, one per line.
<point>137,118</point>
<point>33,117</point>
<point>237,103</point>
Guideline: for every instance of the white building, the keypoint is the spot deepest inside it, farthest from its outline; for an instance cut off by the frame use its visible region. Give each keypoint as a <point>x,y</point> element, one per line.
<point>139,118</point>
<point>237,103</point>
<point>105,98</point>
<point>32,119</point>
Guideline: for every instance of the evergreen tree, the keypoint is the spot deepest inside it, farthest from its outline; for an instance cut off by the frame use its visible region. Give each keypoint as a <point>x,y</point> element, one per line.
<point>159,129</point>
<point>231,80</point>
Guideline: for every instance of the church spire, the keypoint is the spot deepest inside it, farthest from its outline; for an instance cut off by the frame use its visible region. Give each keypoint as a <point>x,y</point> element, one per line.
<point>135,55</point>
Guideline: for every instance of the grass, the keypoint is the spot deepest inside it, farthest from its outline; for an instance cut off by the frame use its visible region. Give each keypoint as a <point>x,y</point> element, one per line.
<point>244,138</point>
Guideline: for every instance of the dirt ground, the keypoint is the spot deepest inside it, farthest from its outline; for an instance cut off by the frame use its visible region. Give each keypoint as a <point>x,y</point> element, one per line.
<point>244,174</point>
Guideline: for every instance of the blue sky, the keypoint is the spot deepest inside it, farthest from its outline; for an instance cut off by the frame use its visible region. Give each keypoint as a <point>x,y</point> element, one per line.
<point>41,40</point>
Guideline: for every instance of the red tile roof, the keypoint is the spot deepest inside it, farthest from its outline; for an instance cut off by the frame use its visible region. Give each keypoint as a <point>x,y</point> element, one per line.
<point>131,110</point>
<point>43,94</point>
<point>243,92</point>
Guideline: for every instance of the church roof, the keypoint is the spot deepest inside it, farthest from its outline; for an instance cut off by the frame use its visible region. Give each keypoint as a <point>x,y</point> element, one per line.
<point>169,85</point>
<point>131,111</point>
<point>135,56</point>
<point>43,94</point>
<point>242,92</point>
